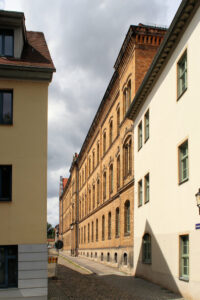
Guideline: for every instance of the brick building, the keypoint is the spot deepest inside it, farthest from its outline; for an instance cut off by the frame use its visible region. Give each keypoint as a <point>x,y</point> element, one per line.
<point>97,203</point>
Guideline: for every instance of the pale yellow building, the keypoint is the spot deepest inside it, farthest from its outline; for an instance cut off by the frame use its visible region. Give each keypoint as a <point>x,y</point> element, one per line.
<point>25,72</point>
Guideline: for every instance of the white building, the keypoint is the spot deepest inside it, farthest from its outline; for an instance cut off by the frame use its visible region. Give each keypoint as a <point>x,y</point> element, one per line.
<point>166,118</point>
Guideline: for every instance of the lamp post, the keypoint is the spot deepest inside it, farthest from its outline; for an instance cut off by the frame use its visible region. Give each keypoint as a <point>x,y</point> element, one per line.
<point>198,199</point>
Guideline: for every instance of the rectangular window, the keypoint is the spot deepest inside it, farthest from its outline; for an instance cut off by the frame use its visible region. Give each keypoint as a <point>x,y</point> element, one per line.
<point>184,257</point>
<point>9,266</point>
<point>146,183</point>
<point>183,162</point>
<point>146,125</point>
<point>6,43</point>
<point>6,107</point>
<point>140,136</point>
<point>5,183</point>
<point>140,193</point>
<point>182,74</point>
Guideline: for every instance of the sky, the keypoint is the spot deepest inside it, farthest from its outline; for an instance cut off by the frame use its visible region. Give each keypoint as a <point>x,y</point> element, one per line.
<point>84,38</point>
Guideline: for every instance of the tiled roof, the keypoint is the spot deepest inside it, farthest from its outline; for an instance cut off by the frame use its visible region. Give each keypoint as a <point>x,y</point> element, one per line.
<point>35,53</point>
<point>64,182</point>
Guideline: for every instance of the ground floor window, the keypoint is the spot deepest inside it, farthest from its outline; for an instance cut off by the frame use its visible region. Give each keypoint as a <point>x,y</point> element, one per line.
<point>146,249</point>
<point>8,266</point>
<point>184,257</point>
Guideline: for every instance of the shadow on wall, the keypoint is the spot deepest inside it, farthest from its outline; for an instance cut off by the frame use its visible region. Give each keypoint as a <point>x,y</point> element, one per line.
<point>156,269</point>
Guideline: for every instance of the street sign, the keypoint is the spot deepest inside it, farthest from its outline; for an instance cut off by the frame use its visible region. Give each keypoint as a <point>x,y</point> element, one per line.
<point>197,226</point>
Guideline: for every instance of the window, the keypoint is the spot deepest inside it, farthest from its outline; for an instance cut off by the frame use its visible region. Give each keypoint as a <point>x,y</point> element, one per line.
<point>90,200</point>
<point>127,217</point>
<point>140,196</point>
<point>182,74</point>
<point>111,133</point>
<point>146,126</point>
<point>93,160</point>
<point>101,256</point>
<point>92,232</point>
<point>104,143</point>
<point>98,192</point>
<point>111,179</point>
<point>6,43</point>
<point>85,205</point>
<point>104,185</point>
<point>93,196</point>
<point>97,230</point>
<point>118,172</point>
<point>5,183</point>
<point>127,97</point>
<point>117,223</point>
<point>97,153</point>
<point>183,162</point>
<point>103,228</point>
<point>118,120</point>
<point>6,107</point>
<point>127,151</point>
<point>85,172</point>
<point>109,225</point>
<point>84,234</point>
<point>184,257</point>
<point>146,186</point>
<point>89,165</point>
<point>146,249</point>
<point>115,257</point>
<point>125,259</point>
<point>140,136</point>
<point>88,233</point>
<point>108,257</point>
<point>9,266</point>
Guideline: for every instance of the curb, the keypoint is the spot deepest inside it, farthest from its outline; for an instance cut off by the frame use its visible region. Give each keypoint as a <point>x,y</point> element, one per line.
<point>75,264</point>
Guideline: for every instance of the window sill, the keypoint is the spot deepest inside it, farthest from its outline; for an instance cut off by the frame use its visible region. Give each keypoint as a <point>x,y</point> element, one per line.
<point>127,234</point>
<point>146,263</point>
<point>178,97</point>
<point>146,139</point>
<point>117,236</point>
<point>139,148</point>
<point>183,181</point>
<point>139,205</point>
<point>5,199</point>
<point>145,202</point>
<point>184,279</point>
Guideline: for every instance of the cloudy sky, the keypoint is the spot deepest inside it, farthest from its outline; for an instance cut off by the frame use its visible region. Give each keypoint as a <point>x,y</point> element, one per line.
<point>84,38</point>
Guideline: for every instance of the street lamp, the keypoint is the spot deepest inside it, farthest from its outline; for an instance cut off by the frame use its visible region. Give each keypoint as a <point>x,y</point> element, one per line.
<point>198,199</point>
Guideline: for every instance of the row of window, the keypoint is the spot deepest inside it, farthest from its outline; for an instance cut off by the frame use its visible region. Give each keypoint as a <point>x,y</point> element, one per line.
<point>183,255</point>
<point>109,259</point>
<point>90,234</point>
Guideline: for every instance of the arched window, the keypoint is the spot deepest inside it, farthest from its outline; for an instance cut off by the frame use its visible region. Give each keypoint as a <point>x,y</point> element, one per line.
<point>90,200</point>
<point>92,237</point>
<point>115,257</point>
<point>98,153</point>
<point>111,132</point>
<point>118,120</point>
<point>118,172</point>
<point>97,230</point>
<point>109,225</point>
<point>80,209</point>
<point>89,165</point>
<point>117,223</point>
<point>82,206</point>
<point>127,152</point>
<point>85,205</point>
<point>146,249</point>
<point>108,257</point>
<point>104,185</point>
<point>127,97</point>
<point>125,259</point>
<point>127,217</point>
<point>104,143</point>
<point>93,197</point>
<point>129,93</point>
<point>101,256</point>
<point>103,228</point>
<point>98,191</point>
<point>124,102</point>
<point>88,233</point>
<point>111,179</point>
<point>93,160</point>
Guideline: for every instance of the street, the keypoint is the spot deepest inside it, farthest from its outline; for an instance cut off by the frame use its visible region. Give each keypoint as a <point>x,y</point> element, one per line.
<point>80,278</point>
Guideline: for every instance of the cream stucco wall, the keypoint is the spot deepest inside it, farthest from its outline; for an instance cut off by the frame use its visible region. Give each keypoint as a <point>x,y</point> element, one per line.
<point>172,209</point>
<point>24,146</point>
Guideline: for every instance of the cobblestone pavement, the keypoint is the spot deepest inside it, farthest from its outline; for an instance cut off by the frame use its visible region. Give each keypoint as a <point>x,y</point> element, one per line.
<point>76,283</point>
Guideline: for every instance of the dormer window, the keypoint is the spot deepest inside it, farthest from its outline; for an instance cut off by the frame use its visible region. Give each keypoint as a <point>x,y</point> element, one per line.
<point>6,42</point>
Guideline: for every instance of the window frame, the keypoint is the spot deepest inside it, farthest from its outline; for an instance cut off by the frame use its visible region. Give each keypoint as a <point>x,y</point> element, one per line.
<point>117,222</point>
<point>109,225</point>
<point>2,92</point>
<point>146,126</point>
<point>4,33</point>
<point>181,91</point>
<point>9,198</point>
<point>182,276</point>
<point>146,249</point>
<point>181,161</point>
<point>140,193</point>
<point>127,218</point>
<point>140,136</point>
<point>147,176</point>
